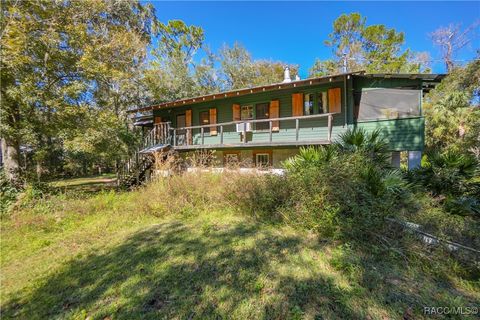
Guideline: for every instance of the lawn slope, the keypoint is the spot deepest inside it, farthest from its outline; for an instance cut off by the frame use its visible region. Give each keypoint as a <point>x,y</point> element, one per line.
<point>105,256</point>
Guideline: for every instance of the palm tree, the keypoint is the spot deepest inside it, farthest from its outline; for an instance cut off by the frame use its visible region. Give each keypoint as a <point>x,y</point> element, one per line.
<point>372,144</point>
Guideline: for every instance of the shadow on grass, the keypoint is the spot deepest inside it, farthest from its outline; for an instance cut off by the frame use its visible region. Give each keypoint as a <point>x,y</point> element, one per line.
<point>175,271</point>
<point>88,185</point>
<point>243,271</point>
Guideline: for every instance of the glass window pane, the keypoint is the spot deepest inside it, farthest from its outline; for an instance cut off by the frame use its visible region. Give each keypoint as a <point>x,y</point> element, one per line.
<point>231,159</point>
<point>262,112</point>
<point>204,120</point>
<point>322,102</point>
<point>262,159</point>
<point>246,113</point>
<point>308,103</point>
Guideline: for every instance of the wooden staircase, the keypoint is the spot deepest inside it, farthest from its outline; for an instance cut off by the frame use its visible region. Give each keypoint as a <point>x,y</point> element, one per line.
<point>136,169</point>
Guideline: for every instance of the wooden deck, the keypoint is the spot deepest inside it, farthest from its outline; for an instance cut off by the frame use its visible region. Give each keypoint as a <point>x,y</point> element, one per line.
<point>250,145</point>
<point>195,137</point>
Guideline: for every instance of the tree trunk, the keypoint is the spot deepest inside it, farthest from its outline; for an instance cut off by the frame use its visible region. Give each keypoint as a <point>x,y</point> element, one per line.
<point>39,170</point>
<point>11,162</point>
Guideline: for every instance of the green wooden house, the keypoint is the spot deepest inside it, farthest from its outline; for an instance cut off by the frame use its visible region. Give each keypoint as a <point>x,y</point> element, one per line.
<point>267,124</point>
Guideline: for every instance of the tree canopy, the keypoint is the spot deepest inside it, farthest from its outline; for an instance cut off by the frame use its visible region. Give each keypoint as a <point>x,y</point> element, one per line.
<point>61,60</point>
<point>371,48</point>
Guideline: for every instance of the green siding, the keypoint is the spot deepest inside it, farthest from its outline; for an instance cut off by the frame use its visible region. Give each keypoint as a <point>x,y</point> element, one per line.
<point>313,129</point>
<point>402,134</point>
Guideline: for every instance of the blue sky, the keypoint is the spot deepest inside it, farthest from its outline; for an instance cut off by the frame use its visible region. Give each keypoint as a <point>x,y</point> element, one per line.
<point>294,31</point>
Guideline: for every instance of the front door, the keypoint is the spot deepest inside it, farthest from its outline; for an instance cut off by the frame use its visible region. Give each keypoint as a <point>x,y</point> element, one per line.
<point>181,134</point>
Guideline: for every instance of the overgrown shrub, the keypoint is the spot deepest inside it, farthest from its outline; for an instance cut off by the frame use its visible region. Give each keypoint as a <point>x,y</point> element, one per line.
<point>453,178</point>
<point>258,195</point>
<point>346,197</point>
<point>8,193</point>
<point>341,193</point>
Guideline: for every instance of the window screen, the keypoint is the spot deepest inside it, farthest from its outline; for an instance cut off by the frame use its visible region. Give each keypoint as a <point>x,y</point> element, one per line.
<point>383,103</point>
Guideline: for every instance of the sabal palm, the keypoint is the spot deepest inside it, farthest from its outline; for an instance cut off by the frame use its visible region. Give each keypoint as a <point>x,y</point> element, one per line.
<point>371,144</point>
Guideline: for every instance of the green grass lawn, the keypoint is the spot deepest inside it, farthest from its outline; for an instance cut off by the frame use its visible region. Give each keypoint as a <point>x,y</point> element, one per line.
<point>113,256</point>
<point>87,184</point>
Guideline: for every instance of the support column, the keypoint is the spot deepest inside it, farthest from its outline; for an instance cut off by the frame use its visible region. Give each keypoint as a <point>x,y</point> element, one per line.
<point>414,159</point>
<point>396,159</point>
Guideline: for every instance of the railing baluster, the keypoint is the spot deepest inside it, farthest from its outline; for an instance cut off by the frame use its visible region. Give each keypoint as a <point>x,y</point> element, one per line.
<point>174,137</point>
<point>297,121</point>
<point>270,125</point>
<point>330,118</point>
<point>156,133</point>
<point>221,134</point>
<point>244,132</point>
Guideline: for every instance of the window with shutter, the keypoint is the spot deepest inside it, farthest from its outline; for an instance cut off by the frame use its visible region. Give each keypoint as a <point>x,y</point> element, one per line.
<point>205,120</point>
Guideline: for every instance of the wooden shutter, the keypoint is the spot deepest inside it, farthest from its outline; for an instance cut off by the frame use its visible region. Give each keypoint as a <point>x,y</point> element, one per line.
<point>213,120</point>
<point>275,113</point>
<point>297,104</point>
<point>236,112</point>
<point>188,123</point>
<point>188,118</point>
<point>334,100</point>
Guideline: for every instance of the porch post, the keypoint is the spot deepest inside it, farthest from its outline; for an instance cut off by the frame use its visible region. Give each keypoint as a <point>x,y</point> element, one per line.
<point>396,159</point>
<point>414,159</point>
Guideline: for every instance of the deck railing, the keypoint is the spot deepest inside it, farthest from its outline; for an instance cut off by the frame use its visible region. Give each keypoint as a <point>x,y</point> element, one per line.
<point>187,132</point>
<point>132,166</point>
<point>160,134</point>
<point>164,134</point>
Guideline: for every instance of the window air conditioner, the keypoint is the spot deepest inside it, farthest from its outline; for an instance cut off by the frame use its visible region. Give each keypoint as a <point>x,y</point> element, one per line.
<point>240,126</point>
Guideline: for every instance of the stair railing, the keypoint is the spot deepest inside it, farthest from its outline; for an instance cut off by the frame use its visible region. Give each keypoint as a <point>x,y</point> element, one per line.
<point>134,164</point>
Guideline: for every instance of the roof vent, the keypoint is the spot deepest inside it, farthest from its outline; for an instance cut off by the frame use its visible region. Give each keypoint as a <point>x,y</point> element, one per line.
<point>286,75</point>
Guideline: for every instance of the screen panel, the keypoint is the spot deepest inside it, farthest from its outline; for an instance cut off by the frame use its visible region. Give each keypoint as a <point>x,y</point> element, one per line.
<point>386,103</point>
